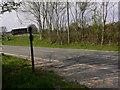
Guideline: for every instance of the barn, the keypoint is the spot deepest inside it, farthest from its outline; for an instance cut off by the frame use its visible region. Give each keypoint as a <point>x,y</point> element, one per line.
<point>21,31</point>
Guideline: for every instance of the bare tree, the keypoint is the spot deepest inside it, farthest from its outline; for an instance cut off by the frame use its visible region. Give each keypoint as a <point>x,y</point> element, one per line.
<point>4,30</point>
<point>83,6</point>
<point>96,21</point>
<point>34,9</point>
<point>57,18</point>
<point>76,17</point>
<point>8,6</point>
<point>68,22</point>
<point>104,18</point>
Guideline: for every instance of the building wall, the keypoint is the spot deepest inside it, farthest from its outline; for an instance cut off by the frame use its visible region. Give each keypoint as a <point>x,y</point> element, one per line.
<point>19,31</point>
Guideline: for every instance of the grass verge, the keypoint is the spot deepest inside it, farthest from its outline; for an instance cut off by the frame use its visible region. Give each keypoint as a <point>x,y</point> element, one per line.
<point>17,74</point>
<point>23,40</point>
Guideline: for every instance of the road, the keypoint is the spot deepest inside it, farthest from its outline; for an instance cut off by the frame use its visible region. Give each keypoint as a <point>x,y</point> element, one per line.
<point>96,69</point>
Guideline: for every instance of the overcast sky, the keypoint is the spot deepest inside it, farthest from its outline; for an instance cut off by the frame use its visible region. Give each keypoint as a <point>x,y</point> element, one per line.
<point>11,21</point>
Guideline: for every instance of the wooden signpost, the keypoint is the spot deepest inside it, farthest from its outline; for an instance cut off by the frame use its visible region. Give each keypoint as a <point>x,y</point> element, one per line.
<point>30,29</point>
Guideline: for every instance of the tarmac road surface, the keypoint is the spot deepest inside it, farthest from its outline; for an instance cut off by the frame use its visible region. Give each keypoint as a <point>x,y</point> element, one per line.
<point>95,69</point>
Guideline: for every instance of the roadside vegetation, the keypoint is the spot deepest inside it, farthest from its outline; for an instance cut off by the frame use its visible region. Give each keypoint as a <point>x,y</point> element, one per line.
<point>80,25</point>
<point>23,40</point>
<point>17,73</point>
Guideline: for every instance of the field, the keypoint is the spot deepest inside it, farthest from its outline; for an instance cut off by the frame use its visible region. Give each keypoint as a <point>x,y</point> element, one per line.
<point>23,40</point>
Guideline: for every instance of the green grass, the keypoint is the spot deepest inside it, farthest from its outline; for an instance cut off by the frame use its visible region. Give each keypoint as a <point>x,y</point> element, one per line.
<point>18,74</point>
<point>24,41</point>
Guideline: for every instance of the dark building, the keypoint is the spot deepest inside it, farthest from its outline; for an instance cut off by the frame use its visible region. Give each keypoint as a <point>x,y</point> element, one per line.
<point>22,31</point>
<point>19,31</point>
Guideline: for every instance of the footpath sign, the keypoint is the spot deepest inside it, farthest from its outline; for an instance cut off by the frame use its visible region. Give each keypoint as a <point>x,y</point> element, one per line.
<point>30,30</point>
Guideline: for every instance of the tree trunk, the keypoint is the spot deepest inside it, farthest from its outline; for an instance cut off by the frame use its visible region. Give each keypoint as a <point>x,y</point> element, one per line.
<point>40,31</point>
<point>57,21</point>
<point>102,39</point>
<point>40,27</point>
<point>82,26</point>
<point>68,22</point>
<point>77,37</point>
<point>105,6</point>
